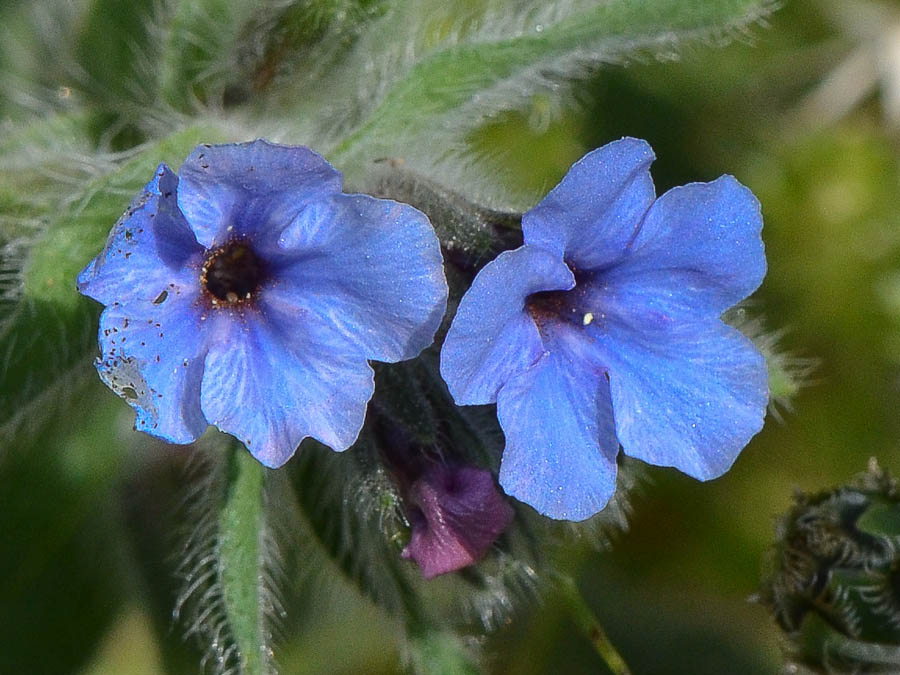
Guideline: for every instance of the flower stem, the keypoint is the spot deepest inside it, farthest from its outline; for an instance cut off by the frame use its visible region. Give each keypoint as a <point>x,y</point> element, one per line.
<point>590,625</point>
<point>239,557</point>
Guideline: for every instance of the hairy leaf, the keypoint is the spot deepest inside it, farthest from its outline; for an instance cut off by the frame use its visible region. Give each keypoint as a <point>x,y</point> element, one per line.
<point>488,65</point>
<point>196,55</point>
<point>219,52</point>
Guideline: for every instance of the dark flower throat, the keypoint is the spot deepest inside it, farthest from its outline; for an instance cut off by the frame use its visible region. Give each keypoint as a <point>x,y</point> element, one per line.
<point>232,274</point>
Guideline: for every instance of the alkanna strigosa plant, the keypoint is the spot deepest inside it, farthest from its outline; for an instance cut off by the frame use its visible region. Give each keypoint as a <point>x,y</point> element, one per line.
<point>245,290</point>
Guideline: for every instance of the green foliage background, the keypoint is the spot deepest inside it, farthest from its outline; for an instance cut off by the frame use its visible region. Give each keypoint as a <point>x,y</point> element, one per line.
<point>86,546</point>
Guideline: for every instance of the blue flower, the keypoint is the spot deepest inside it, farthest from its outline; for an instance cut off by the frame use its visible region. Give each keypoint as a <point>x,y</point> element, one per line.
<point>248,292</point>
<point>604,330</point>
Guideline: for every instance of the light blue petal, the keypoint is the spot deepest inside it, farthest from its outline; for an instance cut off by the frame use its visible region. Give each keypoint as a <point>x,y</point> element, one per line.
<point>371,268</point>
<point>154,360</point>
<point>561,446</point>
<point>493,337</point>
<point>148,250</point>
<point>250,187</point>
<point>273,378</point>
<point>698,253</point>
<point>690,396</point>
<point>592,215</point>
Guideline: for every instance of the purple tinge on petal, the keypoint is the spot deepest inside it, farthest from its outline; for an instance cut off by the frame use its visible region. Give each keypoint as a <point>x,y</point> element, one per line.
<point>460,515</point>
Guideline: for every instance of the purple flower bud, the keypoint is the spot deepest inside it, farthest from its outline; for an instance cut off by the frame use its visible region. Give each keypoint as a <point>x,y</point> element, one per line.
<point>457,514</point>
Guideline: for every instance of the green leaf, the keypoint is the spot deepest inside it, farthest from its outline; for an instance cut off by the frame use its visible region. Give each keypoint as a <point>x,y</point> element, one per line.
<point>881,519</point>
<point>500,65</point>
<point>283,41</point>
<point>36,54</point>
<point>116,49</point>
<point>197,53</point>
<point>433,650</point>
<point>352,508</point>
<point>219,51</point>
<point>154,503</point>
<point>44,163</point>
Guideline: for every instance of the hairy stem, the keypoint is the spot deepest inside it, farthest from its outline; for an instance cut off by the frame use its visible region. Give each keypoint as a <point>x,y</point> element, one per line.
<point>590,625</point>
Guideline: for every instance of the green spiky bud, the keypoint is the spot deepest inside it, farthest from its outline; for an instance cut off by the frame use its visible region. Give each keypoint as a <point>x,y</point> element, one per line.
<point>834,580</point>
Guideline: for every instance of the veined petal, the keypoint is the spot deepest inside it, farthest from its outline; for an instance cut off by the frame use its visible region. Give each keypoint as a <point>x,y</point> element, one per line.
<point>154,360</point>
<point>492,337</point>
<point>273,379</point>
<point>592,215</point>
<point>251,188</point>
<point>698,253</point>
<point>371,268</point>
<point>690,396</point>
<point>147,251</point>
<point>561,446</point>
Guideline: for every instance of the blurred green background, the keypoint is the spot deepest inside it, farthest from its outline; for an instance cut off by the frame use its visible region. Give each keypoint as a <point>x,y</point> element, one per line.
<point>805,110</point>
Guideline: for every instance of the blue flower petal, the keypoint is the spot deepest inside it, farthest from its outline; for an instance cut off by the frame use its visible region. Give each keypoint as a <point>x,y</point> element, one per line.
<point>698,253</point>
<point>689,396</point>
<point>592,215</point>
<point>250,188</point>
<point>154,360</point>
<point>147,249</point>
<point>371,268</point>
<point>561,445</point>
<point>273,378</point>
<point>492,337</point>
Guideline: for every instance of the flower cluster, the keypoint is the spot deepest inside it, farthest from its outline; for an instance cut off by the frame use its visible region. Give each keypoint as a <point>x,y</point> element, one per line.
<point>249,292</point>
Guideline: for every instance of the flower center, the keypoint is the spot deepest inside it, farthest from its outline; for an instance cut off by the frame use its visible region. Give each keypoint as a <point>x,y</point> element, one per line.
<point>570,307</point>
<point>232,273</point>
<point>549,306</point>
